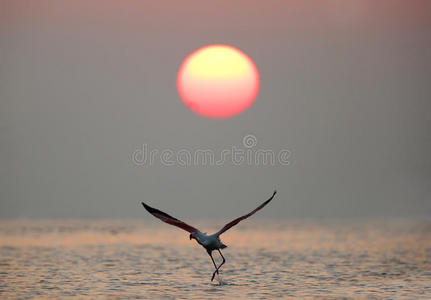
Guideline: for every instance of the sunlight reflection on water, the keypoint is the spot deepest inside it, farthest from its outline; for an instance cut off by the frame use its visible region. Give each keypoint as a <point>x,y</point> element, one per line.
<point>265,259</point>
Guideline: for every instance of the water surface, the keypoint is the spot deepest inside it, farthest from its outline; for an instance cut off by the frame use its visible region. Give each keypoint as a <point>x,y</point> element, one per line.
<point>265,259</point>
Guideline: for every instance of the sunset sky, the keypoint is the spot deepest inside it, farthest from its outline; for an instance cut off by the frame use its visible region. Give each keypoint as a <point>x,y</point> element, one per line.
<point>345,87</point>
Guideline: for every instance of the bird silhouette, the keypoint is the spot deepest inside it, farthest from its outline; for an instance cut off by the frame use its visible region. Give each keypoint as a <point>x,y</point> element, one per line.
<point>209,242</point>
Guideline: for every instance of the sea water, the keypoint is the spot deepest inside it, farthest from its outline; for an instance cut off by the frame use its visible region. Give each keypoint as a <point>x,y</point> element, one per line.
<point>368,259</point>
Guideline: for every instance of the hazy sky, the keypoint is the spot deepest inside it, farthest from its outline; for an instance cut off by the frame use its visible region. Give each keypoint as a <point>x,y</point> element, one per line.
<point>345,87</point>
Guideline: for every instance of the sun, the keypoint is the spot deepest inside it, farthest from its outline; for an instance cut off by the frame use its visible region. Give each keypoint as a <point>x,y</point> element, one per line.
<point>218,81</point>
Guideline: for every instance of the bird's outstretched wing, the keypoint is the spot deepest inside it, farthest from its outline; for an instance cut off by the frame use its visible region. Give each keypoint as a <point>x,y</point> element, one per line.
<point>169,219</point>
<point>236,221</point>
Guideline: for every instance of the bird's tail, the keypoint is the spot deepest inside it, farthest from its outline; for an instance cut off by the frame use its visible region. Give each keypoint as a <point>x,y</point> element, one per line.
<point>223,246</point>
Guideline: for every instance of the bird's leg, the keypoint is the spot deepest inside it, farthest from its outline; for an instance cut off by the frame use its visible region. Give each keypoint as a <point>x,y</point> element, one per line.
<point>215,266</point>
<point>224,260</point>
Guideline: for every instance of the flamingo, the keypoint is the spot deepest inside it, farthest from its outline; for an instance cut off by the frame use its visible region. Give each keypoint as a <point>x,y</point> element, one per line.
<point>209,242</point>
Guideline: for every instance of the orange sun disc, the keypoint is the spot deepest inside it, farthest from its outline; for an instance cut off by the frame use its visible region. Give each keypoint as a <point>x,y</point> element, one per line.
<point>218,81</point>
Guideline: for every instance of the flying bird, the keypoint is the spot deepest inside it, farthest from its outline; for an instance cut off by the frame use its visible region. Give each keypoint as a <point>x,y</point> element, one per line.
<point>209,242</point>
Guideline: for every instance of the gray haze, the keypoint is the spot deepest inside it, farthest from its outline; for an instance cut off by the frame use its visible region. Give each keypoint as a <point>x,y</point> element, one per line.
<point>345,86</point>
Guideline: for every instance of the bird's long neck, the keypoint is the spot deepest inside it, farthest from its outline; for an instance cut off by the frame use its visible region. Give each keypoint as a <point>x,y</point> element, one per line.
<point>199,237</point>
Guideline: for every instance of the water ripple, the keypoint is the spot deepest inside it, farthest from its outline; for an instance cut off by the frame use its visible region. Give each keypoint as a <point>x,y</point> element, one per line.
<point>112,259</point>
